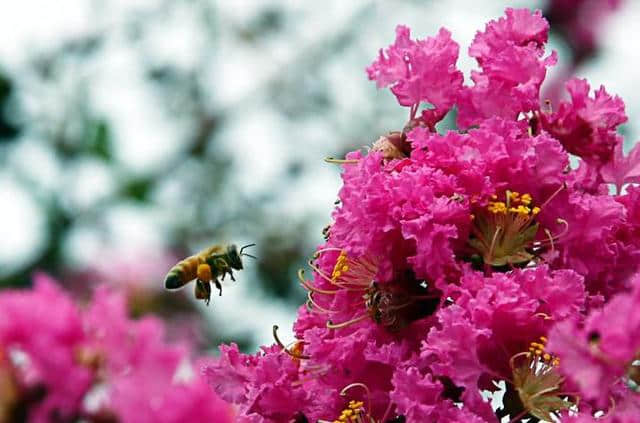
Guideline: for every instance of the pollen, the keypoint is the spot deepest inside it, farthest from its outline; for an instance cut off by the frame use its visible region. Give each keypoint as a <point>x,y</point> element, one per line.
<point>497,207</point>
<point>351,413</point>
<point>505,233</point>
<point>340,267</point>
<point>537,350</point>
<point>204,272</point>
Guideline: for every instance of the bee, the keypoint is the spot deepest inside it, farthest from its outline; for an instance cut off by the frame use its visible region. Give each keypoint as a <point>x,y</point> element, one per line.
<point>205,267</point>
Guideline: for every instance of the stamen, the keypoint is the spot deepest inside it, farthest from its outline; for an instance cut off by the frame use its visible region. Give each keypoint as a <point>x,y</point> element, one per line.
<point>493,242</point>
<point>330,280</point>
<point>552,196</point>
<point>360,318</point>
<point>359,385</point>
<point>611,408</point>
<point>340,161</point>
<point>504,232</point>
<point>515,356</point>
<point>293,354</point>
<point>551,238</point>
<point>310,287</point>
<point>316,305</point>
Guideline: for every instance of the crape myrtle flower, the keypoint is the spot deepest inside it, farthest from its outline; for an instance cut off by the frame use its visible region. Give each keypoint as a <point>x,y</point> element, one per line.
<point>510,53</point>
<point>460,261</point>
<point>600,353</point>
<point>61,362</point>
<point>587,126</point>
<point>40,331</point>
<point>420,71</point>
<point>495,330</point>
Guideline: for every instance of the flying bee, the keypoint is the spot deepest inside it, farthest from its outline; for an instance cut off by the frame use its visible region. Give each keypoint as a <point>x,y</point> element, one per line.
<point>205,267</point>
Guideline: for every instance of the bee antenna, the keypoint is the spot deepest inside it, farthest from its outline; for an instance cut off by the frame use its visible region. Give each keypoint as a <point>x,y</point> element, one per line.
<point>249,255</point>
<point>246,246</point>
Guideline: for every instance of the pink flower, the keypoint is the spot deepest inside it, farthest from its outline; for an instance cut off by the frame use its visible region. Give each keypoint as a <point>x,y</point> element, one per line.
<point>419,71</point>
<point>510,53</point>
<point>40,334</point>
<point>266,384</point>
<point>587,126</point>
<point>147,396</point>
<point>621,169</point>
<point>421,399</point>
<point>94,363</point>
<point>596,242</point>
<point>598,354</point>
<point>493,321</point>
<point>453,255</point>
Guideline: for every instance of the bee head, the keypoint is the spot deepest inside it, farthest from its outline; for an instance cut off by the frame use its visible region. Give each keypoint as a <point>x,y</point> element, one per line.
<point>233,257</point>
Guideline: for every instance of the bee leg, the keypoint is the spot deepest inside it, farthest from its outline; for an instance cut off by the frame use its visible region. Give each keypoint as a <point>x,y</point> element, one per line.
<point>218,286</point>
<point>203,291</point>
<point>231,276</point>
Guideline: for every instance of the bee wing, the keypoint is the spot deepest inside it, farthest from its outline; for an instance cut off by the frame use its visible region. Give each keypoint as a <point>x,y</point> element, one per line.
<point>214,249</point>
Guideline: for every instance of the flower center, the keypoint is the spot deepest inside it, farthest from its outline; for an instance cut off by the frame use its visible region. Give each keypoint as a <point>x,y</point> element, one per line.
<point>392,305</point>
<point>504,232</point>
<point>538,383</point>
<point>354,412</point>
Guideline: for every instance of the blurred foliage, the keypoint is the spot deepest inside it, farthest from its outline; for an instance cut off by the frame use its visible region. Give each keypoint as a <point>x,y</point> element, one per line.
<point>9,128</point>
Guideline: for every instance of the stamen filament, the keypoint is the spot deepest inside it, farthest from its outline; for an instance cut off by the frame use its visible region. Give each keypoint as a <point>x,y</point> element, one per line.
<point>360,318</point>
<point>310,287</point>
<point>285,349</point>
<point>340,161</point>
<point>358,385</point>
<point>331,281</point>
<point>316,305</point>
<point>552,196</point>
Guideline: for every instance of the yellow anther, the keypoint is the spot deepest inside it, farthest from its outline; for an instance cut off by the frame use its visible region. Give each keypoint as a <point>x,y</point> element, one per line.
<point>538,352</point>
<point>497,207</point>
<point>535,210</point>
<point>348,412</point>
<point>341,266</point>
<point>494,197</point>
<point>513,196</point>
<point>547,357</point>
<point>521,210</point>
<point>544,339</point>
<point>526,199</point>
<point>355,404</point>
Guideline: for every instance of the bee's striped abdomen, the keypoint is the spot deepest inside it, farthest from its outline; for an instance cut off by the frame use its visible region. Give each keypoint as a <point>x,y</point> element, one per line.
<point>182,273</point>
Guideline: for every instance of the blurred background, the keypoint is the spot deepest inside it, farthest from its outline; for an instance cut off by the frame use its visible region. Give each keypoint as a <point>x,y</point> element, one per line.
<point>135,133</point>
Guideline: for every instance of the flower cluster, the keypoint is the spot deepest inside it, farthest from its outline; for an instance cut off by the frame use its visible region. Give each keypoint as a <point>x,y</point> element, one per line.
<point>465,265</point>
<point>62,363</point>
